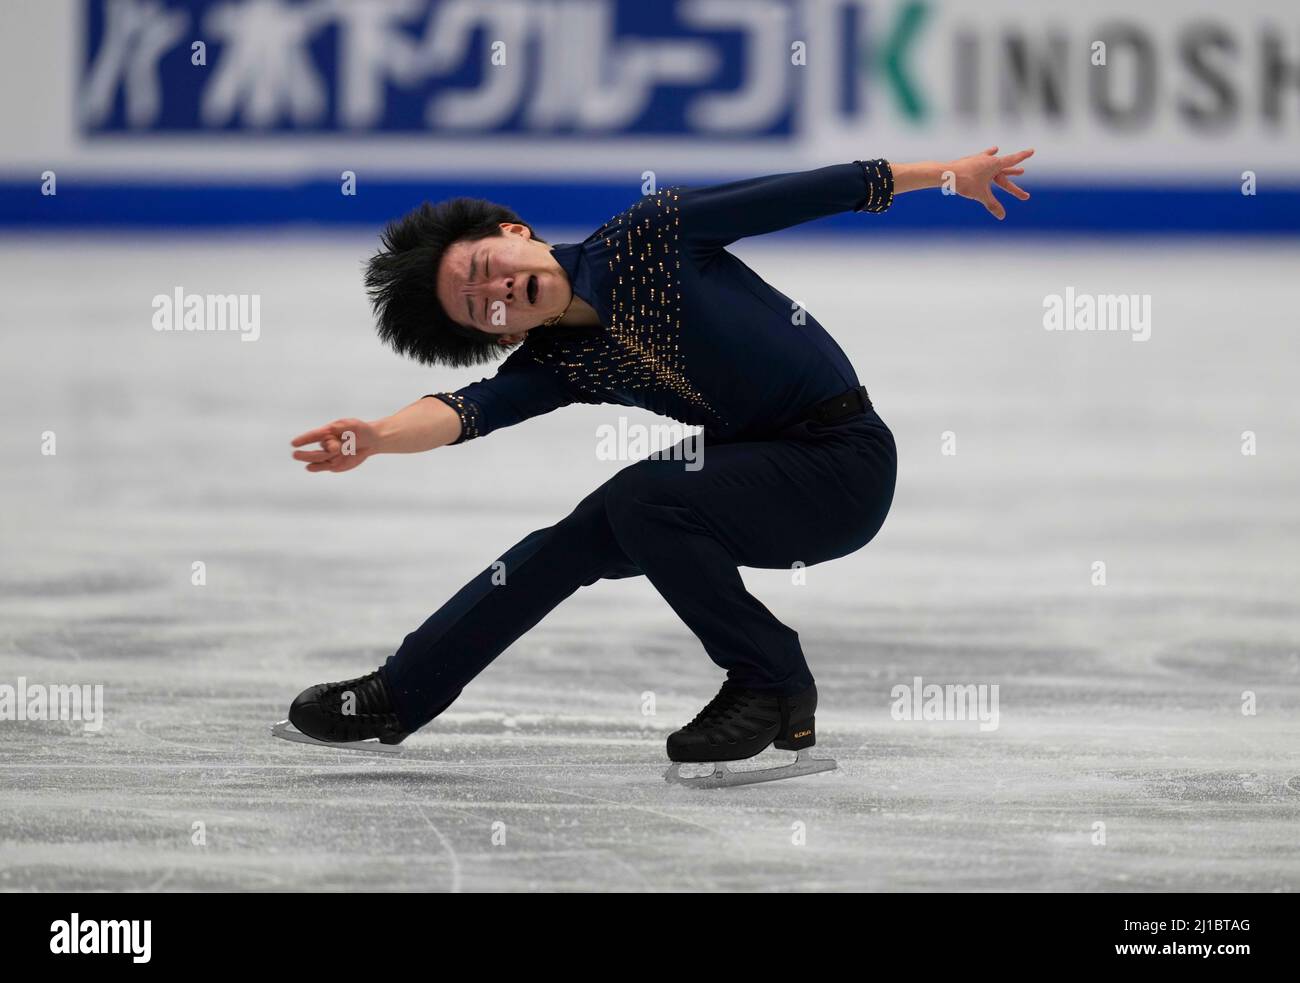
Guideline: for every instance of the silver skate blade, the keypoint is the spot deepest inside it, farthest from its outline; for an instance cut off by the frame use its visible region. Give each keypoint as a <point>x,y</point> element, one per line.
<point>724,777</point>
<point>287,732</point>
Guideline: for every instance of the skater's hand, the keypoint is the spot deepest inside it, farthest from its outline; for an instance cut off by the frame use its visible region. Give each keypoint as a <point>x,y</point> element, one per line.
<point>976,176</point>
<point>344,444</point>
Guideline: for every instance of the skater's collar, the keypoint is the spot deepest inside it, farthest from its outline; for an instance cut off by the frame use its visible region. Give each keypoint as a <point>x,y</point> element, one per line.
<point>569,256</point>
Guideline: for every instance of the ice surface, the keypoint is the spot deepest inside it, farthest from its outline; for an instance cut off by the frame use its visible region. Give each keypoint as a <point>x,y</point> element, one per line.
<point>1118,705</point>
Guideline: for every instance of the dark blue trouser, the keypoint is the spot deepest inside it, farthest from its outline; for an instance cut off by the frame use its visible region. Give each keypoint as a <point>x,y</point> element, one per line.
<point>813,492</point>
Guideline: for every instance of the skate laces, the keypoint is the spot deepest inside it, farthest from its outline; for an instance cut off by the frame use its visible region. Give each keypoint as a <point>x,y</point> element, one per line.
<point>720,707</point>
<point>371,696</point>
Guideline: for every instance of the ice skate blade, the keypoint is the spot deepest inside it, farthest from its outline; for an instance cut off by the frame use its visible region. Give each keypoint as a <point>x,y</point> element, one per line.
<point>287,732</point>
<point>723,777</point>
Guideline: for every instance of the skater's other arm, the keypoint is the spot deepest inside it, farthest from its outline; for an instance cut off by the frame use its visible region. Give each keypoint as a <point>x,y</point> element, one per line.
<point>423,426</point>
<point>972,177</point>
<point>520,390</point>
<point>723,213</point>
<point>345,444</point>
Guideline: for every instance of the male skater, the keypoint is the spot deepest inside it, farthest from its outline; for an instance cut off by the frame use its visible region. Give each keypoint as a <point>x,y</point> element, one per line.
<point>651,310</point>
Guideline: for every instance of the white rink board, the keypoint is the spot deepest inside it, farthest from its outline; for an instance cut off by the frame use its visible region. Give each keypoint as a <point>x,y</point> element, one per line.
<point>43,94</point>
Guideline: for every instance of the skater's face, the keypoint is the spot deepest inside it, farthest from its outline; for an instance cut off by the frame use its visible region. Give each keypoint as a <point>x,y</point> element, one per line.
<point>504,285</point>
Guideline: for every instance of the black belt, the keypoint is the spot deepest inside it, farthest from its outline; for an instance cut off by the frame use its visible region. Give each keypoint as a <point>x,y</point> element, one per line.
<point>837,407</point>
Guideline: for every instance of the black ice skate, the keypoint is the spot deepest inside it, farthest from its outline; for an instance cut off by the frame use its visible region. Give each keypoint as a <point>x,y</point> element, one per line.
<point>739,723</point>
<point>355,715</point>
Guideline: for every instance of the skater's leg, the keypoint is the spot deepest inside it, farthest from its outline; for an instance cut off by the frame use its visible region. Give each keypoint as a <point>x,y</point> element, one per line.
<point>754,504</point>
<point>488,614</point>
<point>759,504</point>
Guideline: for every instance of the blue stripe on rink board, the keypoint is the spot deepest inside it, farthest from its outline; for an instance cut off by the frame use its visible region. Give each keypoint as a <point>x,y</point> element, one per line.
<point>1058,208</point>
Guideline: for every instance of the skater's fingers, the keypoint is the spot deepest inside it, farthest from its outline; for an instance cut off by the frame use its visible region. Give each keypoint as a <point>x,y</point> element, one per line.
<point>1012,171</point>
<point>313,456</point>
<point>995,207</point>
<point>311,436</point>
<point>1007,184</point>
<point>1011,160</point>
<point>335,429</point>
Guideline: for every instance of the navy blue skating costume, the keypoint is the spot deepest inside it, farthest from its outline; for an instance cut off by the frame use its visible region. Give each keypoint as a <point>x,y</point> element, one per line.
<point>797,465</point>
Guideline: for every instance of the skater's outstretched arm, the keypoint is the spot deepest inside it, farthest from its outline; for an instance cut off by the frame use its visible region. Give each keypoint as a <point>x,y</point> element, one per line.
<point>518,391</point>
<point>718,215</point>
<point>345,444</point>
<point>973,177</point>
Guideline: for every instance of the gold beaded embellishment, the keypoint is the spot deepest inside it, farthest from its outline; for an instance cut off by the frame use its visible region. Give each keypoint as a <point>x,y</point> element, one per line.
<point>880,185</point>
<point>466,410</point>
<point>640,351</point>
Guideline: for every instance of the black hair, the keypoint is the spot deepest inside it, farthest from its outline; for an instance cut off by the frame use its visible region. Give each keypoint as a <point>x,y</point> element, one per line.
<point>402,281</point>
